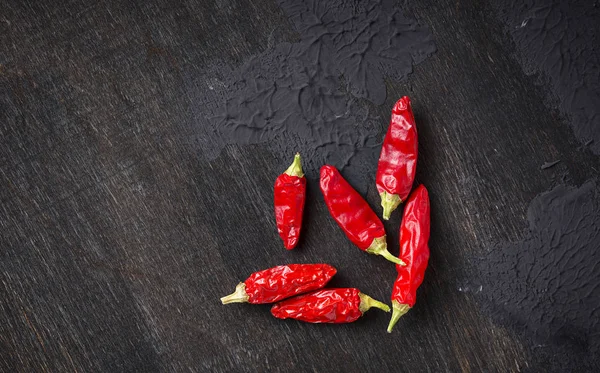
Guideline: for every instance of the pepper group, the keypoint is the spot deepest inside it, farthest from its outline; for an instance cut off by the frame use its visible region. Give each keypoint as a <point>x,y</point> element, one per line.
<point>298,290</point>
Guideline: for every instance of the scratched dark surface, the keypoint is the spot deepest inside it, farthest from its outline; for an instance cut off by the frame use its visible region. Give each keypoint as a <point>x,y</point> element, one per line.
<point>129,205</point>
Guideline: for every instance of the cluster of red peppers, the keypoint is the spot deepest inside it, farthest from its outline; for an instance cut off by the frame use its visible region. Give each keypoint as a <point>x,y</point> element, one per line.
<point>296,286</point>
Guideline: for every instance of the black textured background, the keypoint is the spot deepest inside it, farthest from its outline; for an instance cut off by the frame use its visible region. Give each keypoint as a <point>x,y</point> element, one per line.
<point>139,143</point>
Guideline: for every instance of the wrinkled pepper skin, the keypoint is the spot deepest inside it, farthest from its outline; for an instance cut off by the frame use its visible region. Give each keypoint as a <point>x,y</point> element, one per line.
<point>289,198</point>
<point>333,306</point>
<point>353,214</point>
<point>398,158</point>
<point>277,283</point>
<point>414,251</point>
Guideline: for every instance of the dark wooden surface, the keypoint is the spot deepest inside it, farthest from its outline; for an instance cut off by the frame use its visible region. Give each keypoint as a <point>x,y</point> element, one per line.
<point>118,235</point>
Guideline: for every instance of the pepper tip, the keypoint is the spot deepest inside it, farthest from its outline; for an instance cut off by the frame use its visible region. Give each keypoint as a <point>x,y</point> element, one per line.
<point>402,104</point>
<point>290,244</point>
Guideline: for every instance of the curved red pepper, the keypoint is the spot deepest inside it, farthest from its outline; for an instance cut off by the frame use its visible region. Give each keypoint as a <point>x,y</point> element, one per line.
<point>327,306</point>
<point>290,194</point>
<point>353,214</point>
<point>277,283</point>
<point>398,158</point>
<point>414,250</point>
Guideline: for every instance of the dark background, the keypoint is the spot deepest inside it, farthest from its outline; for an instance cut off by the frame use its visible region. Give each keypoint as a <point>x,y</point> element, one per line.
<point>128,210</point>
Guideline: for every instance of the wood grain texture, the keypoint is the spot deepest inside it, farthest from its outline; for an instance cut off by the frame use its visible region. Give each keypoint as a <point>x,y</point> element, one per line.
<point>119,236</point>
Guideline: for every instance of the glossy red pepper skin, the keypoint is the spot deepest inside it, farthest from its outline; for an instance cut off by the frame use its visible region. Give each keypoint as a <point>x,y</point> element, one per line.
<point>277,283</point>
<point>353,214</point>
<point>327,306</point>
<point>414,251</point>
<point>398,158</point>
<point>289,198</point>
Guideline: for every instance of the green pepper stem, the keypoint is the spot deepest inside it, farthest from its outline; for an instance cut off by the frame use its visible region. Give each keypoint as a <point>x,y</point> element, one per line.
<point>366,302</point>
<point>238,296</point>
<point>379,247</point>
<point>398,310</point>
<point>389,202</point>
<point>295,168</point>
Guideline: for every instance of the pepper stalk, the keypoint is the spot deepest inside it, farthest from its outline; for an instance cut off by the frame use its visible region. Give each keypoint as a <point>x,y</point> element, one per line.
<point>295,168</point>
<point>379,247</point>
<point>238,296</point>
<point>389,202</point>
<point>398,310</point>
<point>366,303</point>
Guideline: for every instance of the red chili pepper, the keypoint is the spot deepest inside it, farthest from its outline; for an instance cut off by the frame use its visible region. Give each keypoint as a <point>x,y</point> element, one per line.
<point>414,234</point>
<point>290,194</point>
<point>327,306</point>
<point>353,214</point>
<point>277,283</point>
<point>398,158</point>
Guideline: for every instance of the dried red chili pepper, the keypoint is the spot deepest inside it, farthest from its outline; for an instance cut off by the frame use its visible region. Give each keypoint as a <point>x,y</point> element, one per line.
<point>327,306</point>
<point>290,194</point>
<point>398,158</point>
<point>277,283</point>
<point>353,214</point>
<point>414,250</point>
